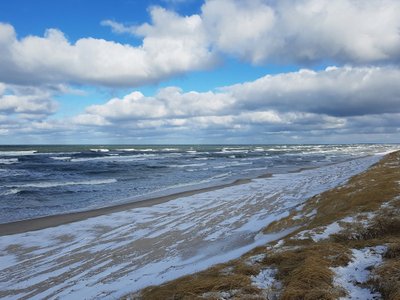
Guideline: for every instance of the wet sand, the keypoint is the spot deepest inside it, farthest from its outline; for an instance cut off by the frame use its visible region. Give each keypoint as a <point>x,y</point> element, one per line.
<point>56,220</point>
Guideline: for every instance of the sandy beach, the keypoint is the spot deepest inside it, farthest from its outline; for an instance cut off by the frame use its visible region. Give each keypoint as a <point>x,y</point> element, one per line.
<point>113,254</point>
<point>56,220</point>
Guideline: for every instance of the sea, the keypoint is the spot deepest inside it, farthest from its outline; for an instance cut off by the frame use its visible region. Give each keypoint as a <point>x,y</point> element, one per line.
<point>43,180</point>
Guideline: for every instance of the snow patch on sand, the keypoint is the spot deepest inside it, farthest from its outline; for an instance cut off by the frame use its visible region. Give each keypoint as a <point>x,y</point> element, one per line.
<point>357,272</point>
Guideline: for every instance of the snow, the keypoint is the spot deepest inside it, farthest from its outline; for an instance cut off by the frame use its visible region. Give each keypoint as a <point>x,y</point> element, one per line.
<point>255,259</point>
<point>356,272</point>
<point>265,279</point>
<point>302,216</point>
<point>323,233</point>
<point>320,235</point>
<point>330,229</point>
<point>111,255</point>
<point>279,244</point>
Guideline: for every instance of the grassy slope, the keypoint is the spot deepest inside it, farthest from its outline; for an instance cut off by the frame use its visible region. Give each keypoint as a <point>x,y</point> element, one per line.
<point>303,265</point>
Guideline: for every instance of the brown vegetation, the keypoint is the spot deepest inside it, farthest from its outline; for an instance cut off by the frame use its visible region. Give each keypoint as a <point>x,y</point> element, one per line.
<point>218,278</point>
<point>305,272</point>
<point>388,280</point>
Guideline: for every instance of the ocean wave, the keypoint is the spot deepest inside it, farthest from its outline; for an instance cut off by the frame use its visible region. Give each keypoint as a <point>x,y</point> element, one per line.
<point>127,150</point>
<point>188,165</point>
<point>124,158</point>
<point>17,153</point>
<point>61,158</point>
<point>233,150</point>
<point>236,164</point>
<point>8,161</point>
<point>135,150</point>
<point>100,150</point>
<point>10,192</point>
<point>50,184</point>
<point>170,149</point>
<point>222,175</point>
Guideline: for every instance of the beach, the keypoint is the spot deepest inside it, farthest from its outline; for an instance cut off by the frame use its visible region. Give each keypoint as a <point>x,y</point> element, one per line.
<point>56,220</point>
<point>109,253</point>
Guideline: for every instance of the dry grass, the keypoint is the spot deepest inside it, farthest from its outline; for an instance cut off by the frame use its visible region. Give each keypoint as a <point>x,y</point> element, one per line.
<point>311,280</point>
<point>305,272</point>
<point>393,250</point>
<point>364,192</point>
<point>387,280</point>
<point>303,265</point>
<point>386,277</point>
<point>212,280</point>
<point>381,227</point>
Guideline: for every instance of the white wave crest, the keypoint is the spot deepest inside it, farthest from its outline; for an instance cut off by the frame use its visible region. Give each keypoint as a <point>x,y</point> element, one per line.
<point>49,184</point>
<point>17,153</point>
<point>100,150</point>
<point>124,158</point>
<point>8,161</point>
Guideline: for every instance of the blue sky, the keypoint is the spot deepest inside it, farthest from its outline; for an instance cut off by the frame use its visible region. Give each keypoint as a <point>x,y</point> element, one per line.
<point>214,71</point>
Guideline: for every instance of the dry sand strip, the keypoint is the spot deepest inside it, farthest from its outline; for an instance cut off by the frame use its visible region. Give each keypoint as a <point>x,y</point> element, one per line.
<point>110,255</point>
<point>347,244</point>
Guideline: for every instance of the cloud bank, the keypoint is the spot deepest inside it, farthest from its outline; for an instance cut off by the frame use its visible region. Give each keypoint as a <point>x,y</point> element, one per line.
<point>353,103</point>
<point>335,99</point>
<point>359,96</point>
<point>347,31</point>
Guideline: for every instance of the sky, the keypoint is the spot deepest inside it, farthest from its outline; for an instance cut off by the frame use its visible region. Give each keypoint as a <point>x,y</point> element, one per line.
<point>199,72</point>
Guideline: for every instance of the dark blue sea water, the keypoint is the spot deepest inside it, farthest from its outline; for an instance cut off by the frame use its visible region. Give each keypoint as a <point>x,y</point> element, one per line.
<point>45,180</point>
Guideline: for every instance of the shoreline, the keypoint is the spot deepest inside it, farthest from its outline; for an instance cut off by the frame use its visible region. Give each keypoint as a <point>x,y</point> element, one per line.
<point>44,222</point>
<point>23,226</point>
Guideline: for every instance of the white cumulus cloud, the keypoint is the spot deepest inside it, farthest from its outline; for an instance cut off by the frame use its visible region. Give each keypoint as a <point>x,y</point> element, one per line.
<point>304,31</point>
<point>171,45</point>
<point>335,100</point>
<point>167,103</point>
<point>29,102</point>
